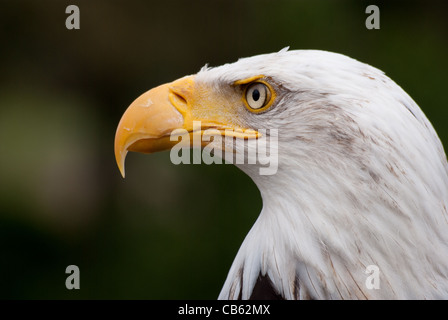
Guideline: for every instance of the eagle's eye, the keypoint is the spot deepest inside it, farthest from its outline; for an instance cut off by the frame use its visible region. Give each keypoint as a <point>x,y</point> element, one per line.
<point>257,96</point>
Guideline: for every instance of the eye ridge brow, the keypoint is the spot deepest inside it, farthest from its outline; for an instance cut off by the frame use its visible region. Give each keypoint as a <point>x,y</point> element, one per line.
<point>248,80</point>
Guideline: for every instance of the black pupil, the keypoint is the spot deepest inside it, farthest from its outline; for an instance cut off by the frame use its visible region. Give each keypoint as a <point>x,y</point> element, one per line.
<point>256,95</point>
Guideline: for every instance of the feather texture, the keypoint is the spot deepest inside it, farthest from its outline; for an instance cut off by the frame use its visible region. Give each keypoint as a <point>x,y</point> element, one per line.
<point>362,180</point>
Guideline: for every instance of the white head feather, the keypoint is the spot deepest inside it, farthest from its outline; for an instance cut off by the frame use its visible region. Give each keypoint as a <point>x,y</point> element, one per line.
<point>362,180</point>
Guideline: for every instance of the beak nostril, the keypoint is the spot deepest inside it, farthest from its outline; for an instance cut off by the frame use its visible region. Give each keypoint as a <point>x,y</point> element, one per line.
<point>180,98</point>
<point>178,101</point>
<point>181,94</point>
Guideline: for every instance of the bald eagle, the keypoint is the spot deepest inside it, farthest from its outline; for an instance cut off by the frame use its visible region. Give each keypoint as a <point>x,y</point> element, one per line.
<point>362,179</point>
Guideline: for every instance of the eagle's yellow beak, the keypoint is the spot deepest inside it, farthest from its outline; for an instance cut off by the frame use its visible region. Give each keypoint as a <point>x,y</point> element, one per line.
<point>147,124</point>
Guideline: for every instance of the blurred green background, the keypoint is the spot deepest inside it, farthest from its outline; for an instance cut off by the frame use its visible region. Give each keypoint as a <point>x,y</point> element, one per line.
<point>166,231</point>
